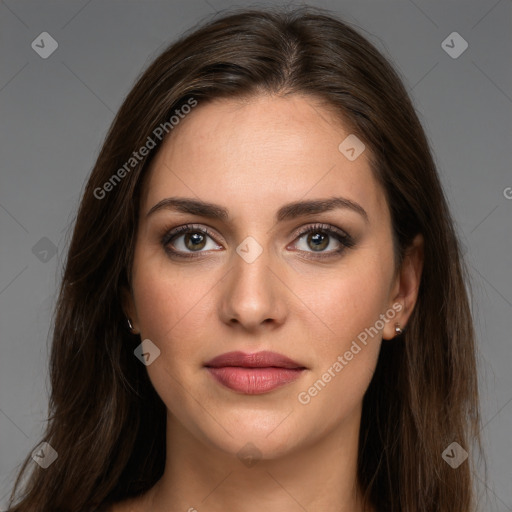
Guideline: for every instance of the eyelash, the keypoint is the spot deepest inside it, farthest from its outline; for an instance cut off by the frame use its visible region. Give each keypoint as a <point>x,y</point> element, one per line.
<point>344,239</point>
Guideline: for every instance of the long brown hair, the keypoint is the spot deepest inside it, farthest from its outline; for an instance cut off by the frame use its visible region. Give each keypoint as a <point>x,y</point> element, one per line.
<point>106,421</point>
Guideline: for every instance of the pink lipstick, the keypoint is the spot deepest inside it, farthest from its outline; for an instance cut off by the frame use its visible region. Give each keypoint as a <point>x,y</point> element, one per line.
<point>254,374</point>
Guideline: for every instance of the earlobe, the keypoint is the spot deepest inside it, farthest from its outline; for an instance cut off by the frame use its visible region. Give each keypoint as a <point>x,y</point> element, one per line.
<point>129,311</point>
<point>407,286</point>
<point>130,326</point>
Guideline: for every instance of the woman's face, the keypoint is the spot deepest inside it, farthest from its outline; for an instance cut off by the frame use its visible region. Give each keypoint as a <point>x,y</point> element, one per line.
<point>249,279</point>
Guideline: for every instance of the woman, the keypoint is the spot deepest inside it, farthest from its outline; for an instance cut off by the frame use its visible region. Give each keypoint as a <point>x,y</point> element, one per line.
<point>317,352</point>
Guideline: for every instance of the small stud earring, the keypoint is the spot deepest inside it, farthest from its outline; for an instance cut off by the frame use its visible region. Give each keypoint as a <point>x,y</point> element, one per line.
<point>398,329</point>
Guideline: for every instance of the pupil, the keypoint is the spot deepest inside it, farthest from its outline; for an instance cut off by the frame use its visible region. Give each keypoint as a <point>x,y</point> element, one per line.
<point>319,241</point>
<point>196,239</point>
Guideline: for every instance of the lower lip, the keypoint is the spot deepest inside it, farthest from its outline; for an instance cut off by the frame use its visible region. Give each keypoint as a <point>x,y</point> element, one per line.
<point>254,381</point>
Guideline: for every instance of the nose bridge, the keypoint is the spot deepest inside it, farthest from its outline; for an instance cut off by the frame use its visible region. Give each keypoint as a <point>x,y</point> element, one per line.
<point>251,297</point>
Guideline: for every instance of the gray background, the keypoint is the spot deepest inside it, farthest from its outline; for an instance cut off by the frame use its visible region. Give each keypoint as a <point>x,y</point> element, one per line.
<point>55,113</point>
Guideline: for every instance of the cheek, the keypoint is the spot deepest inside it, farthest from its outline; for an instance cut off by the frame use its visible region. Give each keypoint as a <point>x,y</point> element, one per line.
<point>168,305</point>
<point>174,309</point>
<point>348,341</point>
<point>351,301</point>
<point>171,312</point>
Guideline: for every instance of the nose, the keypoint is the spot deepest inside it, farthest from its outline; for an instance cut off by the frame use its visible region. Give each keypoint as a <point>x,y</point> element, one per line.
<point>253,296</point>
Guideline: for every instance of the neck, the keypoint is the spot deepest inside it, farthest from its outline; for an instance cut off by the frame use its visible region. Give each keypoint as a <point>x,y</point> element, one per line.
<point>319,475</point>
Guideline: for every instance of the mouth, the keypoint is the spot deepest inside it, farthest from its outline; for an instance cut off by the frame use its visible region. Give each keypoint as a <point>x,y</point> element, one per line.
<point>253,374</point>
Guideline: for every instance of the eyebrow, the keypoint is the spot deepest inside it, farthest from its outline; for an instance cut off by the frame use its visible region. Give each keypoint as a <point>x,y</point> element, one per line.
<point>286,212</point>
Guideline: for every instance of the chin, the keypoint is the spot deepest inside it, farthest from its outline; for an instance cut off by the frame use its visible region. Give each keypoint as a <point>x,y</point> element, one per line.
<point>252,436</point>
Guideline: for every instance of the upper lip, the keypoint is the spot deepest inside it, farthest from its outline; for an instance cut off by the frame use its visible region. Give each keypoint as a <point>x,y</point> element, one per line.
<point>263,359</point>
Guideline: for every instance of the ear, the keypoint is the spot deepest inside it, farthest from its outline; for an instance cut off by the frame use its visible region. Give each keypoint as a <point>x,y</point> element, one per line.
<point>129,309</point>
<point>406,286</point>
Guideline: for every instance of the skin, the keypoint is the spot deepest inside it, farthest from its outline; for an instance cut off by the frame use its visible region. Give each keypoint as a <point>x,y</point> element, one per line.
<point>252,157</point>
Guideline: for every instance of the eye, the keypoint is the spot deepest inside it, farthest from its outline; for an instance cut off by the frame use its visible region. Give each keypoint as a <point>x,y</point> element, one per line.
<point>193,239</point>
<point>186,240</point>
<point>319,238</point>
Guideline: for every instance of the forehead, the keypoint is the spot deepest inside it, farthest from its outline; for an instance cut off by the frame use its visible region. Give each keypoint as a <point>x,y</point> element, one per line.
<point>261,153</point>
